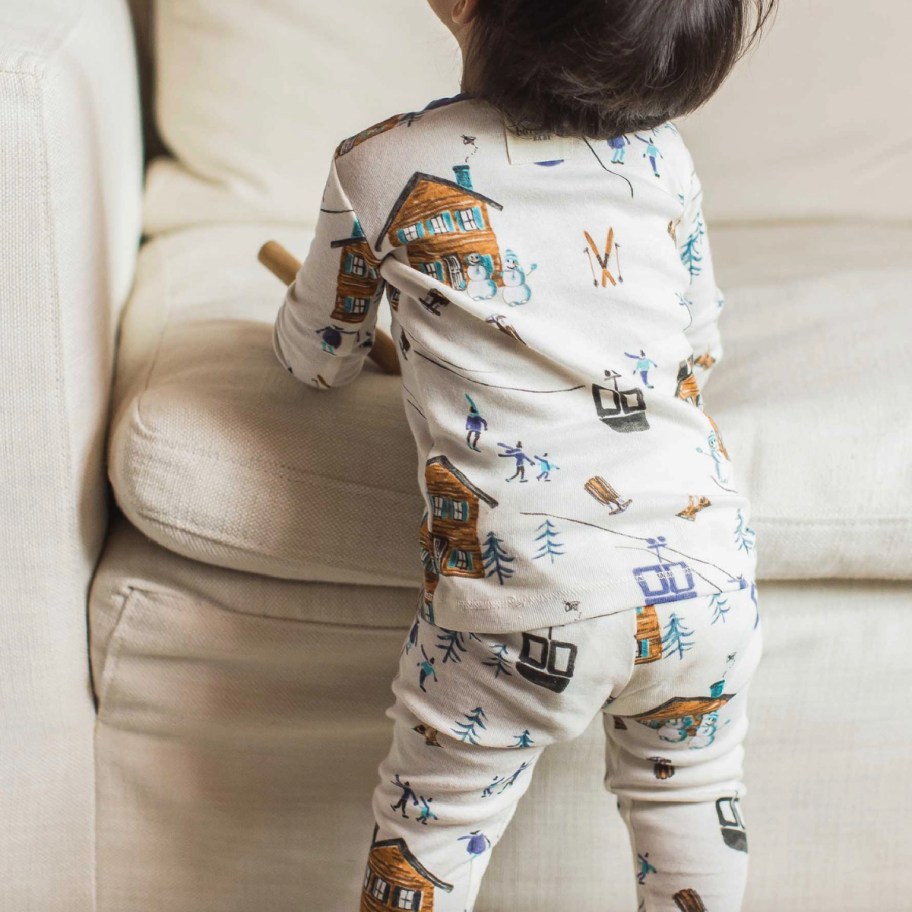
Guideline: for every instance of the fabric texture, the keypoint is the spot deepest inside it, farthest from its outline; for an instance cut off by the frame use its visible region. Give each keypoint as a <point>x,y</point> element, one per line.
<point>529,347</point>
<point>70,195</point>
<point>219,455</point>
<point>241,724</point>
<point>474,713</point>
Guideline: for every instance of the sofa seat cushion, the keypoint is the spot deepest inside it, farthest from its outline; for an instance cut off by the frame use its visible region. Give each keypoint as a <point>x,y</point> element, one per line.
<point>220,455</point>
<point>241,723</point>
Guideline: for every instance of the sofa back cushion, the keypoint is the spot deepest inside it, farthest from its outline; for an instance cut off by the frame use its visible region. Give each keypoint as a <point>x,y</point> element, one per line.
<point>253,95</point>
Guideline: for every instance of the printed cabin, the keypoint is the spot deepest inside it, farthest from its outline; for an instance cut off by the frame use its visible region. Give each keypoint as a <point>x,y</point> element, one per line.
<point>449,541</point>
<point>687,387</point>
<point>689,710</point>
<point>446,226</point>
<point>648,635</point>
<point>395,879</point>
<point>359,281</point>
<point>348,144</point>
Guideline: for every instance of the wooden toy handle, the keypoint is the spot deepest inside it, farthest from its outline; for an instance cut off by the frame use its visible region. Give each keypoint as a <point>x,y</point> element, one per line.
<point>283,264</point>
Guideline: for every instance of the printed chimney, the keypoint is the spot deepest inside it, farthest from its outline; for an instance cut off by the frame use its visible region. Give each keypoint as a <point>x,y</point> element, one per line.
<point>463,178</point>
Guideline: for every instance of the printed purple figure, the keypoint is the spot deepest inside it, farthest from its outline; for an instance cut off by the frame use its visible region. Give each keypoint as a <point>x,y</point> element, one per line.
<point>520,457</point>
<point>407,793</point>
<point>474,424</point>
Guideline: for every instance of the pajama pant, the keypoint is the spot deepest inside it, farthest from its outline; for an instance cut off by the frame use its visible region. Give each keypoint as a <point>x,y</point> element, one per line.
<point>474,712</point>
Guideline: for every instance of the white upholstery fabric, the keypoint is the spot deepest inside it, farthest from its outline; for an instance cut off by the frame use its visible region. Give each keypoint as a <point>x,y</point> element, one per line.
<point>70,193</point>
<point>252,98</point>
<point>238,743</point>
<point>221,456</point>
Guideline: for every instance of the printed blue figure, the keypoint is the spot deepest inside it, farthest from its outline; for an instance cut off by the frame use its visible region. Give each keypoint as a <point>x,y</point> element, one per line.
<point>645,867</point>
<point>505,781</point>
<point>412,637</point>
<point>546,466</point>
<point>407,794</point>
<point>332,337</point>
<point>515,290</point>
<point>426,812</point>
<point>474,424</point>
<point>714,452</point>
<point>478,843</point>
<point>619,145</point>
<point>427,668</point>
<point>487,791</point>
<point>481,286</point>
<point>520,457</point>
<point>643,364</point>
<point>652,150</point>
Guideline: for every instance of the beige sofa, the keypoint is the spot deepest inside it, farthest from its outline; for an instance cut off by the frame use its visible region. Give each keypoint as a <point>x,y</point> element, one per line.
<point>202,610</point>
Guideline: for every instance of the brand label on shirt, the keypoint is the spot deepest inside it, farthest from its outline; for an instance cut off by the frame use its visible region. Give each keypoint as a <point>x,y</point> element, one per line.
<point>526,148</point>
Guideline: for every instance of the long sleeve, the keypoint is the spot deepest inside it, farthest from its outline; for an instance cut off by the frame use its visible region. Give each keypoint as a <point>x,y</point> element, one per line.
<point>704,299</point>
<point>325,326</point>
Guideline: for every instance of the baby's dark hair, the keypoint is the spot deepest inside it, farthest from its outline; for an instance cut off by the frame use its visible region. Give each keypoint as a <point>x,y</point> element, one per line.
<point>602,68</point>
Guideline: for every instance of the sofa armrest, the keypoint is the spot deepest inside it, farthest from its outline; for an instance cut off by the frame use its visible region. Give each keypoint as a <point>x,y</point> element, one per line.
<point>70,205</point>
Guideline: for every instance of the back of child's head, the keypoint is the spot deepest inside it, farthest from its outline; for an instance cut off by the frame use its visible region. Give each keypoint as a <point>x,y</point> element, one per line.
<point>602,68</point>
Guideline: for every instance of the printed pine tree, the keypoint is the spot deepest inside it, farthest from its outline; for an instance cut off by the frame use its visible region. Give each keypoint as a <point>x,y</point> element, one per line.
<point>675,637</point>
<point>495,557</point>
<point>717,603</point>
<point>523,739</point>
<point>548,548</point>
<point>499,659</point>
<point>690,255</point>
<point>467,730</point>
<point>452,642</point>
<point>744,534</point>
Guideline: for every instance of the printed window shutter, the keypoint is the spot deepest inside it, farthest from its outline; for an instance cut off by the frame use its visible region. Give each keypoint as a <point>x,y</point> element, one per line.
<point>478,218</point>
<point>448,219</point>
<point>400,233</point>
<point>349,262</point>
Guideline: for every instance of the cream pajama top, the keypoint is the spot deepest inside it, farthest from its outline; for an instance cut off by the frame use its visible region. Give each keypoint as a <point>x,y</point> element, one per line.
<point>555,315</point>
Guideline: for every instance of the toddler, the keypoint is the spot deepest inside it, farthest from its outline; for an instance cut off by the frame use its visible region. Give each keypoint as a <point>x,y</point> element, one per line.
<point>585,548</point>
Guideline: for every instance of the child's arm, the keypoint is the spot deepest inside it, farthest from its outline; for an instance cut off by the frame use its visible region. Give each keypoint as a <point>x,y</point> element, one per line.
<point>325,326</point>
<point>704,298</point>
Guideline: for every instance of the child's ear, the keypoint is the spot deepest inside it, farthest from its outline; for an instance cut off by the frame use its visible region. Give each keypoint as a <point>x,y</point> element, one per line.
<point>464,11</point>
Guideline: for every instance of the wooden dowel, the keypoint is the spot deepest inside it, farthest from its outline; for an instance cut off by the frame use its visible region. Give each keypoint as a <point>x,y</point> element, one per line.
<point>280,262</point>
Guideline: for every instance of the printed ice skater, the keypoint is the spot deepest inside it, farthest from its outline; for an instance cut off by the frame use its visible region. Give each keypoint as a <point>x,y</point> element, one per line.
<point>515,290</point>
<point>645,867</point>
<point>474,425</point>
<point>652,150</point>
<point>546,467</point>
<point>643,364</point>
<point>520,457</point>
<point>619,145</point>
<point>715,453</point>
<point>426,668</point>
<point>426,812</point>
<point>407,794</point>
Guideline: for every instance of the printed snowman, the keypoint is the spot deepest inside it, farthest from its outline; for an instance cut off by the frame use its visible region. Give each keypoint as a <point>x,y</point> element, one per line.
<point>515,290</point>
<point>480,287</point>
